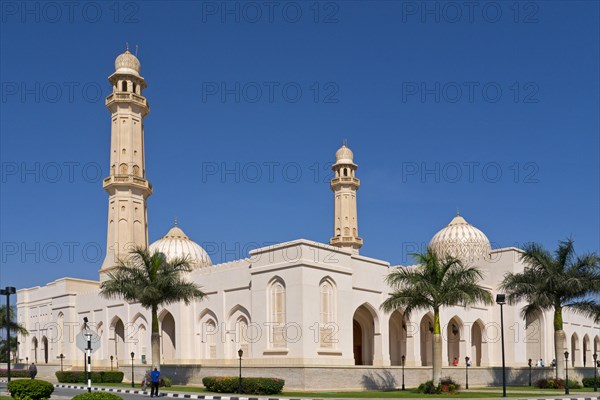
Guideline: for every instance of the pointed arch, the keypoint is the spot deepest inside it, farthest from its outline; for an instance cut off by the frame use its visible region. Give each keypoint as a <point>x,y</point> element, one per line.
<point>276,303</point>
<point>327,313</point>
<point>397,336</point>
<point>168,345</point>
<point>34,349</point>
<point>455,339</point>
<point>477,342</point>
<point>575,349</point>
<point>426,339</point>
<point>586,350</point>
<point>117,336</point>
<point>597,344</point>
<point>238,321</point>
<point>534,336</point>
<point>45,349</point>
<point>209,327</point>
<point>365,324</point>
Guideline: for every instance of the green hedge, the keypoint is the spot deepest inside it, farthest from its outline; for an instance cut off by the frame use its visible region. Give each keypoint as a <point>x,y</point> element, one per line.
<point>229,384</point>
<point>589,382</point>
<point>97,377</point>
<point>30,389</point>
<point>15,373</point>
<point>559,383</point>
<point>97,396</point>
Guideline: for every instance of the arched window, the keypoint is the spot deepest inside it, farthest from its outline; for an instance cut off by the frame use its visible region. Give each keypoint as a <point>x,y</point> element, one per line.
<point>242,334</point>
<point>134,87</point>
<point>123,169</point>
<point>124,86</point>
<point>327,315</point>
<point>136,170</point>
<point>211,341</point>
<point>277,313</point>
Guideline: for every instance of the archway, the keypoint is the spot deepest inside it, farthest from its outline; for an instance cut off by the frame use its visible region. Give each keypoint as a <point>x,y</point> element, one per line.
<point>34,349</point>
<point>574,349</point>
<point>586,350</point>
<point>534,337</point>
<point>363,336</point>
<point>397,334</point>
<point>453,334</point>
<point>118,338</point>
<point>597,345</point>
<point>426,334</point>
<point>477,342</point>
<point>45,349</point>
<point>167,336</point>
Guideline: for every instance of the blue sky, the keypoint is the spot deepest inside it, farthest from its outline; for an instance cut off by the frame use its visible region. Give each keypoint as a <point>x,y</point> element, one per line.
<point>493,110</point>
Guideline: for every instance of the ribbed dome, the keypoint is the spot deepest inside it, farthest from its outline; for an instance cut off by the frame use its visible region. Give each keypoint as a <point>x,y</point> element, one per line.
<point>127,63</point>
<point>344,155</point>
<point>461,240</point>
<point>176,244</point>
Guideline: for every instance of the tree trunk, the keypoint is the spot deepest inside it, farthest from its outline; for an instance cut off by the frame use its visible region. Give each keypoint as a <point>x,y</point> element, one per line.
<point>437,358</point>
<point>155,339</point>
<point>437,347</point>
<point>559,349</point>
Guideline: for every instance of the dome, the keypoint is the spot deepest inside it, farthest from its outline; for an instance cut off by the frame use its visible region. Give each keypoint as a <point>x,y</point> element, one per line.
<point>344,155</point>
<point>176,244</point>
<point>127,63</point>
<point>461,240</point>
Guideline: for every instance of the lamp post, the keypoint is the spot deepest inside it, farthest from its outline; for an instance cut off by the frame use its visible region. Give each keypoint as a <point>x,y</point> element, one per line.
<point>62,356</point>
<point>240,354</point>
<point>595,356</point>
<point>501,300</point>
<point>467,372</point>
<point>566,372</point>
<point>132,377</point>
<point>7,292</point>
<point>530,364</point>
<point>403,360</point>
<point>88,336</point>
<point>111,362</point>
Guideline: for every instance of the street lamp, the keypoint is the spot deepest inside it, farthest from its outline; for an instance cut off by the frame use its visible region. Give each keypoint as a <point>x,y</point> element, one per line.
<point>403,360</point>
<point>467,372</point>
<point>88,336</point>
<point>7,292</point>
<point>132,378</point>
<point>62,356</point>
<point>501,300</point>
<point>240,354</point>
<point>566,372</point>
<point>111,362</point>
<point>530,364</point>
<point>595,356</point>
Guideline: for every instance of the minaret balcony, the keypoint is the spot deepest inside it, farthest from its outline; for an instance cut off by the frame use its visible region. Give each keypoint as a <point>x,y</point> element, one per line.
<point>125,180</point>
<point>126,97</point>
<point>340,240</point>
<point>345,180</point>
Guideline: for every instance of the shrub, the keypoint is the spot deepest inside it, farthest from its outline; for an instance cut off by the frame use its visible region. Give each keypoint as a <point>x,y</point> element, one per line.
<point>166,382</point>
<point>429,388</point>
<point>97,377</point>
<point>229,384</point>
<point>589,382</point>
<point>20,373</point>
<point>30,389</point>
<point>97,396</point>
<point>449,385</point>
<point>559,383</point>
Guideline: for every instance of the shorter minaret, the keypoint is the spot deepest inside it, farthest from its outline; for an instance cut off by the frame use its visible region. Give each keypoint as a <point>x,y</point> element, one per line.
<point>344,185</point>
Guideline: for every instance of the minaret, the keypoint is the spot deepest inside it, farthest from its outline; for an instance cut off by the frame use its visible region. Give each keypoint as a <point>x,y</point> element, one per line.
<point>344,185</point>
<point>127,185</point>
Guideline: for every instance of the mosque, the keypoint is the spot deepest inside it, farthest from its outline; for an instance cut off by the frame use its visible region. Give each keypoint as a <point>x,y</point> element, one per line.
<point>304,311</point>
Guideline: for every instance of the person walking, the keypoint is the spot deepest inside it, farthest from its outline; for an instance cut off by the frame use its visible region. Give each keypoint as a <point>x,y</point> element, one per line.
<point>155,376</point>
<point>32,370</point>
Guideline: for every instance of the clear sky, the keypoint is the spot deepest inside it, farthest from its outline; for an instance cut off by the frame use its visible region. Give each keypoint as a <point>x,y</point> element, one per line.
<point>489,107</point>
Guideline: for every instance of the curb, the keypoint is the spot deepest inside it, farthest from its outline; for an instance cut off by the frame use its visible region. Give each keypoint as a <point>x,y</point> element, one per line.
<point>187,396</point>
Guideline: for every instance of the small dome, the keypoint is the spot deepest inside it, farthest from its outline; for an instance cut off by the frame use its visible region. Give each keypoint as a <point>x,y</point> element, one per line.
<point>344,155</point>
<point>176,244</point>
<point>461,240</point>
<point>127,63</point>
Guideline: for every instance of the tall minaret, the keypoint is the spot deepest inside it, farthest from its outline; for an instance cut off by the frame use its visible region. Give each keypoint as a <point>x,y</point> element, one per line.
<point>344,185</point>
<point>127,185</point>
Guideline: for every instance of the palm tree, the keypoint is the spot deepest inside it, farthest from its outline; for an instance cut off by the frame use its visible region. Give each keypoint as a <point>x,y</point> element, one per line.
<point>553,283</point>
<point>153,281</point>
<point>436,282</point>
<point>14,328</point>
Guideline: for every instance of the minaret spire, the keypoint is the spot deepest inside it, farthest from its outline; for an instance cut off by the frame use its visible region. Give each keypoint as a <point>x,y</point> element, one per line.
<point>344,185</point>
<point>127,186</point>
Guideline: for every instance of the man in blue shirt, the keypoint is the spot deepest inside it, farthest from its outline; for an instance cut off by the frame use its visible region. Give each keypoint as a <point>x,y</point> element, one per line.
<point>154,375</point>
